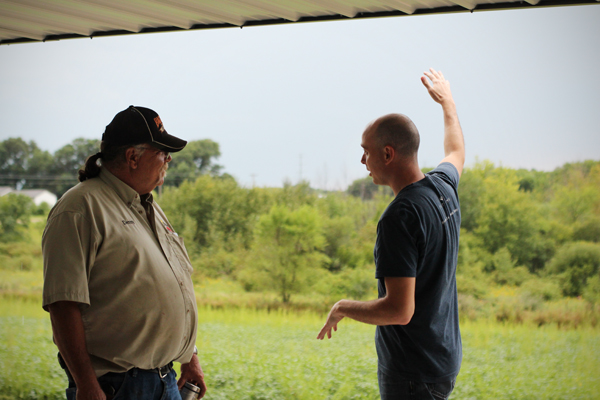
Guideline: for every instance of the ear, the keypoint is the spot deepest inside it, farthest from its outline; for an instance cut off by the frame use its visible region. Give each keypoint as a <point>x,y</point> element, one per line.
<point>389,153</point>
<point>132,158</point>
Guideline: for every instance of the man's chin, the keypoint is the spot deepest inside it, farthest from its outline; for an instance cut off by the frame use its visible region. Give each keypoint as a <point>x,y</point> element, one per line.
<point>162,178</point>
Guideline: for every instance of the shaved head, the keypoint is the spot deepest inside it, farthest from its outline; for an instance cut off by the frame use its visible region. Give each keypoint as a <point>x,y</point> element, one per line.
<point>397,131</point>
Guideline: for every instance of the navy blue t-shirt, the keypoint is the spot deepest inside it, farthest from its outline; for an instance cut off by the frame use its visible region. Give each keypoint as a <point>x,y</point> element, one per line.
<point>417,236</point>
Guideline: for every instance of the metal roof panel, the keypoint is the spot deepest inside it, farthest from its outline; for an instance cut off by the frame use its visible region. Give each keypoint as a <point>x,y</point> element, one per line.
<point>40,20</point>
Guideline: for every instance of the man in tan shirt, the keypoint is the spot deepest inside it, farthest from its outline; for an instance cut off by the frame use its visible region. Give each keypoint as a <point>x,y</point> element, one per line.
<point>117,277</point>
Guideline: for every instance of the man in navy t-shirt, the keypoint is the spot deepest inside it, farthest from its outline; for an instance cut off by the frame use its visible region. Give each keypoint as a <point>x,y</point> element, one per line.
<point>417,338</point>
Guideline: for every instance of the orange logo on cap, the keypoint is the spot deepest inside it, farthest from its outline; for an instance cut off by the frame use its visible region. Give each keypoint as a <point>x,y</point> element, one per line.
<point>159,124</point>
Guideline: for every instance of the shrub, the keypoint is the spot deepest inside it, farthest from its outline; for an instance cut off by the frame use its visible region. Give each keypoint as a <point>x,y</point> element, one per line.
<point>574,264</point>
<point>546,288</point>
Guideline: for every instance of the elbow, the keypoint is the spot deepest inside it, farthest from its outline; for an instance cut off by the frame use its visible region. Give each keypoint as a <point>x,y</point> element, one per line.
<point>403,316</point>
<point>404,319</point>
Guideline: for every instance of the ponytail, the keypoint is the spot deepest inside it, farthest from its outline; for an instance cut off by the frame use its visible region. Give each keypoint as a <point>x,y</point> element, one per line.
<point>91,169</point>
<point>111,156</point>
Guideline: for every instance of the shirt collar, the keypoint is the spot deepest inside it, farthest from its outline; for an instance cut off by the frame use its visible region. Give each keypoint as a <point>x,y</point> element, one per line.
<point>123,190</point>
<point>146,198</point>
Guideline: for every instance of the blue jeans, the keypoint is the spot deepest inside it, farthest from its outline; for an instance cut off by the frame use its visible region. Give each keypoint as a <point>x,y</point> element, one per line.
<point>137,384</point>
<point>391,388</point>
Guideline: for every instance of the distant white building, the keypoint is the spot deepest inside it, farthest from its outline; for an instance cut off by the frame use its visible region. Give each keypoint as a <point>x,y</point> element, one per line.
<point>5,190</point>
<point>38,196</point>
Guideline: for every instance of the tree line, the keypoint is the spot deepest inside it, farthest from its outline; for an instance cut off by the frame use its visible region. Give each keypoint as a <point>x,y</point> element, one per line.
<point>23,165</point>
<point>532,230</point>
<point>539,231</point>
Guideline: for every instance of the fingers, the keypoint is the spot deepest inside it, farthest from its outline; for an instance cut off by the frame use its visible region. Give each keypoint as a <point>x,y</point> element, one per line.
<point>433,75</point>
<point>326,330</point>
<point>202,387</point>
<point>322,333</point>
<point>180,382</point>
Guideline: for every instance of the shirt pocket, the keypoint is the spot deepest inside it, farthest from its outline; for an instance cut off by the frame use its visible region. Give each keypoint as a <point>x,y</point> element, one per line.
<point>178,249</point>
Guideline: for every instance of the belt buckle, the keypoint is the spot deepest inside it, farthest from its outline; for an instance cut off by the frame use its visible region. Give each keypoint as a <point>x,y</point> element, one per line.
<point>161,374</point>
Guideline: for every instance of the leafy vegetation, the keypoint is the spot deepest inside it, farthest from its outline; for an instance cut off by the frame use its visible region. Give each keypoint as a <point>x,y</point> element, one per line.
<point>23,165</point>
<point>252,354</point>
<point>15,212</point>
<point>269,262</point>
<point>529,247</point>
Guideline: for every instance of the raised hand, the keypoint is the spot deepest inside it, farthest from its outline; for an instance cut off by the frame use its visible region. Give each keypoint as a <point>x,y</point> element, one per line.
<point>437,86</point>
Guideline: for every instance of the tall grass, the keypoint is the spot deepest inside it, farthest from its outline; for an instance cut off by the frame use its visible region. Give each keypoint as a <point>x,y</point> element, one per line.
<point>259,354</point>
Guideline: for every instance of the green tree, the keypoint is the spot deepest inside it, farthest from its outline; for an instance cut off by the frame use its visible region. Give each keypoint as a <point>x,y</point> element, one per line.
<point>470,277</point>
<point>587,229</point>
<point>69,158</point>
<point>343,217</point>
<point>213,210</point>
<point>23,164</point>
<point>67,161</point>
<point>197,158</point>
<point>15,211</point>
<point>287,249</point>
<point>579,197</point>
<point>14,155</point>
<point>470,188</point>
<point>505,271</point>
<point>295,196</point>
<point>575,263</point>
<point>363,188</point>
<point>513,219</point>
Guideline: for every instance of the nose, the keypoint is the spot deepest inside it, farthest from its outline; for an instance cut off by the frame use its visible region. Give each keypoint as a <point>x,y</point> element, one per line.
<point>168,158</point>
<point>362,159</point>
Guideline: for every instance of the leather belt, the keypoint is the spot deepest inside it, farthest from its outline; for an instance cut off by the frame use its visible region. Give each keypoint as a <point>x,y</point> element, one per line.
<point>162,371</point>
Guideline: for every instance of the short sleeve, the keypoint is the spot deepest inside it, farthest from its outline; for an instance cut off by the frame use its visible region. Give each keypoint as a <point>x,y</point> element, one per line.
<point>69,247</point>
<point>396,251</point>
<point>447,172</point>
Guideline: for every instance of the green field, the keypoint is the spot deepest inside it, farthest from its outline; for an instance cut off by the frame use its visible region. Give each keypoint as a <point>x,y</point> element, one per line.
<point>248,354</point>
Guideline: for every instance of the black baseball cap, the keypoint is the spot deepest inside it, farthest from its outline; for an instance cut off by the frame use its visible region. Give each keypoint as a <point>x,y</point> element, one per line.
<point>137,125</point>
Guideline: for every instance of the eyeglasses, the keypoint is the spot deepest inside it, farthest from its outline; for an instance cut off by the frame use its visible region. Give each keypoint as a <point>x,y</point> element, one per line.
<point>166,154</point>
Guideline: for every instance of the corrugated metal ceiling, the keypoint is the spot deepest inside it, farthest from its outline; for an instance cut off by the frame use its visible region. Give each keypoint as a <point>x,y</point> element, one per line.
<point>41,20</point>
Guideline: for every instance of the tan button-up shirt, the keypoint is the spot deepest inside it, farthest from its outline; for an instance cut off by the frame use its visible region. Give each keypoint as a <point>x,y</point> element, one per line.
<point>132,279</point>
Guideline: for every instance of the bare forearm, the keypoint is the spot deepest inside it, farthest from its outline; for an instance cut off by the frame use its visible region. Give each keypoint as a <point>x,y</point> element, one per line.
<point>453,136</point>
<point>454,144</point>
<point>375,312</point>
<point>69,335</point>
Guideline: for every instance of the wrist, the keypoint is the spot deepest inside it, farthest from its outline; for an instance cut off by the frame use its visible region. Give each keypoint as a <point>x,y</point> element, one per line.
<point>88,385</point>
<point>448,105</point>
<point>338,308</point>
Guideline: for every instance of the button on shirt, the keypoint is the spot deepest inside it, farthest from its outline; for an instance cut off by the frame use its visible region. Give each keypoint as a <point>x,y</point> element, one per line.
<point>115,253</point>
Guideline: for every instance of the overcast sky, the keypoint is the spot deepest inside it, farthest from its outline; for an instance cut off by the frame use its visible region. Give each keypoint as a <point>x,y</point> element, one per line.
<point>291,101</point>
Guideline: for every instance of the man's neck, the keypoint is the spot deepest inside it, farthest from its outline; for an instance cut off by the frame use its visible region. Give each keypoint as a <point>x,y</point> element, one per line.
<point>124,175</point>
<point>404,176</point>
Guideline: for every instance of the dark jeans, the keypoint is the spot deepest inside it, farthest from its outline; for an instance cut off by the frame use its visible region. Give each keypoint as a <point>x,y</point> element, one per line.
<point>392,388</point>
<point>137,384</point>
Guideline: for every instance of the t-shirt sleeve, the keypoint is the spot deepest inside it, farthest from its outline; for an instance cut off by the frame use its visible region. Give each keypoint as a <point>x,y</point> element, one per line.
<point>447,172</point>
<point>396,252</point>
<point>69,247</point>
